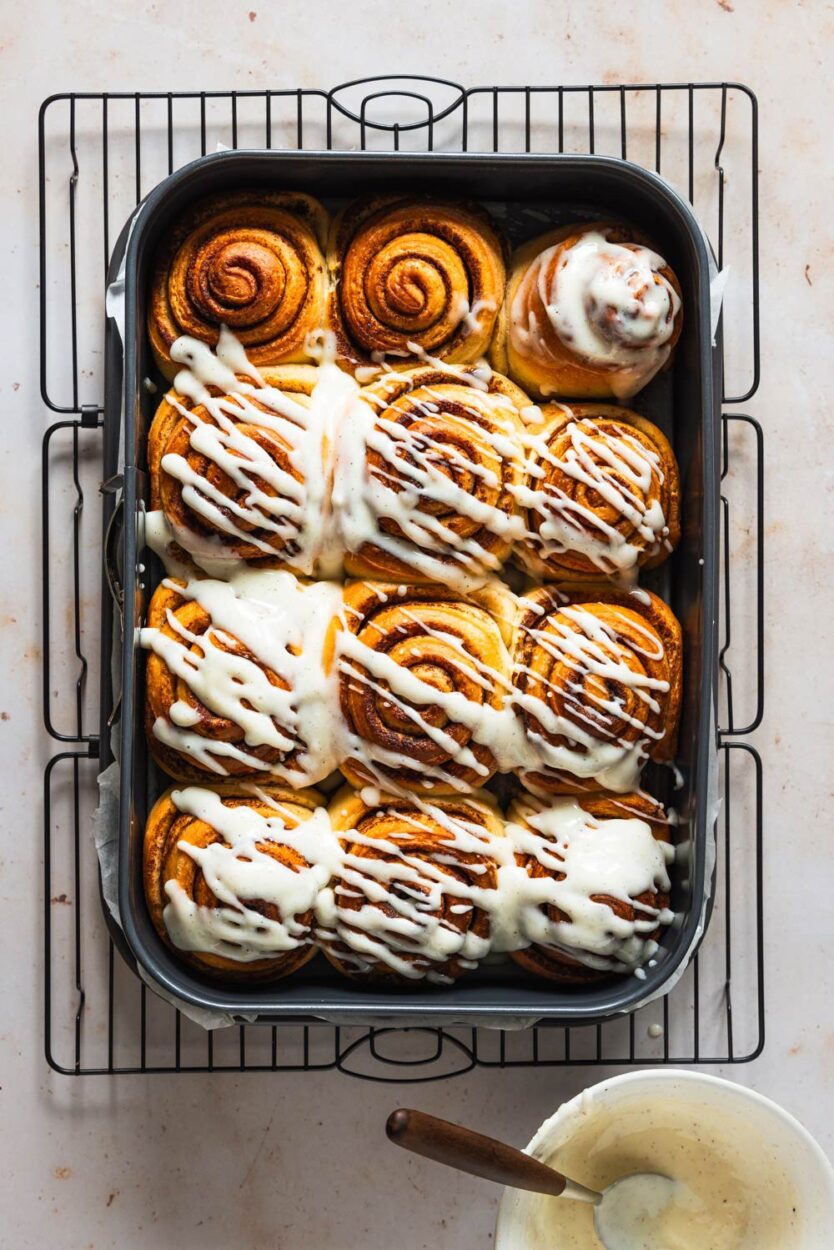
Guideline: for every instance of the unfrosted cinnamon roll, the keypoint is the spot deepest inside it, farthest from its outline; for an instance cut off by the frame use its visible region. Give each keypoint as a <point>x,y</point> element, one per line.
<point>601,494</point>
<point>422,676</point>
<point>424,481</point>
<point>240,472</point>
<point>590,312</point>
<point>599,885</point>
<point>249,260</point>
<point>412,899</point>
<point>413,276</point>
<point>232,876</point>
<point>597,685</point>
<point>235,684</point>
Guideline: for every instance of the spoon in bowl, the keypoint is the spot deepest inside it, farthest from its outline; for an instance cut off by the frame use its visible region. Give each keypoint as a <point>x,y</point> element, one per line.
<point>624,1212</point>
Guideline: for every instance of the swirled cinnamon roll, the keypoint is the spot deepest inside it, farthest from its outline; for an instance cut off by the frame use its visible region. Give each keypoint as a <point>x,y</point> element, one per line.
<point>597,686</point>
<point>248,260</point>
<point>413,897</point>
<point>232,876</point>
<point>413,276</point>
<point>235,684</point>
<point>423,677</point>
<point>590,312</point>
<point>425,474</point>
<point>601,494</point>
<point>239,470</point>
<point>598,892</point>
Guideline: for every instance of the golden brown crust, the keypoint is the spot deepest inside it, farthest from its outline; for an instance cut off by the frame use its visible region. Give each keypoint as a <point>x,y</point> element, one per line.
<point>407,269</point>
<point>405,624</point>
<point>542,673</point>
<point>605,424</point>
<point>550,962</point>
<point>473,440</point>
<point>561,371</point>
<point>408,830</point>
<point>164,861</point>
<point>250,260</point>
<point>170,434</point>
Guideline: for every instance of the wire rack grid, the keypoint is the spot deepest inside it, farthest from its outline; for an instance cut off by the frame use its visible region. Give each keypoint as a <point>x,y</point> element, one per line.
<point>99,154</point>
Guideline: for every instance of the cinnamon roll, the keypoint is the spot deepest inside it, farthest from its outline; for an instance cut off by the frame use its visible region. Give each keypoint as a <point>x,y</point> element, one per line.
<point>601,494</point>
<point>413,276</point>
<point>413,898</point>
<point>597,686</point>
<point>252,261</point>
<point>239,470</point>
<point>590,312</point>
<point>599,885</point>
<point>424,481</point>
<point>235,684</point>
<point>232,876</point>
<point>423,676</point>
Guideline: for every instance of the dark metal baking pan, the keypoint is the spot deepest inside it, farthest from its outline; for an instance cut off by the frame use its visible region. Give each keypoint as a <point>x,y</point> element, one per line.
<point>528,194</point>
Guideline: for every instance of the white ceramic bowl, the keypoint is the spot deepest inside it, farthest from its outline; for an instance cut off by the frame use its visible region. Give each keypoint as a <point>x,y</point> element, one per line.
<point>812,1177</point>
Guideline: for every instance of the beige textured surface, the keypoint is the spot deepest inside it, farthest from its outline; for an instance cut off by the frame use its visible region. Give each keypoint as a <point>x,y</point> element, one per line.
<point>259,1162</point>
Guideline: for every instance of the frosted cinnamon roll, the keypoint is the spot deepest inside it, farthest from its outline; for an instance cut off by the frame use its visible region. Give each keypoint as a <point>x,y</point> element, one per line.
<point>412,276</point>
<point>235,683</point>
<point>413,897</point>
<point>598,892</point>
<point>601,494</point>
<point>423,676</point>
<point>425,474</point>
<point>232,876</point>
<point>597,686</point>
<point>239,469</point>
<point>250,260</point>
<point>590,312</point>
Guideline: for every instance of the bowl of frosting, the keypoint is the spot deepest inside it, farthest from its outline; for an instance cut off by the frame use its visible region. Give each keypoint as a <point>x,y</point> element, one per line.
<point>747,1175</point>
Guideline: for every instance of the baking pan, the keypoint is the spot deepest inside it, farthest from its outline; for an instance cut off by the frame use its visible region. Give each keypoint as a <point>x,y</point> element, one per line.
<point>527,194</point>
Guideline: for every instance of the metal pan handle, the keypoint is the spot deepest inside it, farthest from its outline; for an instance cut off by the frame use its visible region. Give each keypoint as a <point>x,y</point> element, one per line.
<point>112,543</point>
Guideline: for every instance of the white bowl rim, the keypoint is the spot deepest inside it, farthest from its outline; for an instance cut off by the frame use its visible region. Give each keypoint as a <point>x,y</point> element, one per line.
<point>661,1075</point>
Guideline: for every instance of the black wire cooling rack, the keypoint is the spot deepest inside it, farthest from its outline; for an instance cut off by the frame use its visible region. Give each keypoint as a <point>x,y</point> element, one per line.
<point>98,155</point>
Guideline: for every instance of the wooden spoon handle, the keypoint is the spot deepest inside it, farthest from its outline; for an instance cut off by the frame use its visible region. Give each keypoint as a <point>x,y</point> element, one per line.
<point>470,1152</point>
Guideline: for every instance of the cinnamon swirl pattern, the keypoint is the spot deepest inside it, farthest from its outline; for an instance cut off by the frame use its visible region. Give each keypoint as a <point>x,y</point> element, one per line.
<point>599,884</point>
<point>601,494</point>
<point>413,896</point>
<point>332,415</point>
<point>237,469</point>
<point>251,261</point>
<point>233,876</point>
<point>247,880</point>
<point>234,681</point>
<point>423,677</point>
<point>590,313</point>
<point>425,477</point>
<point>412,276</point>
<point>435,474</point>
<point>597,686</point>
